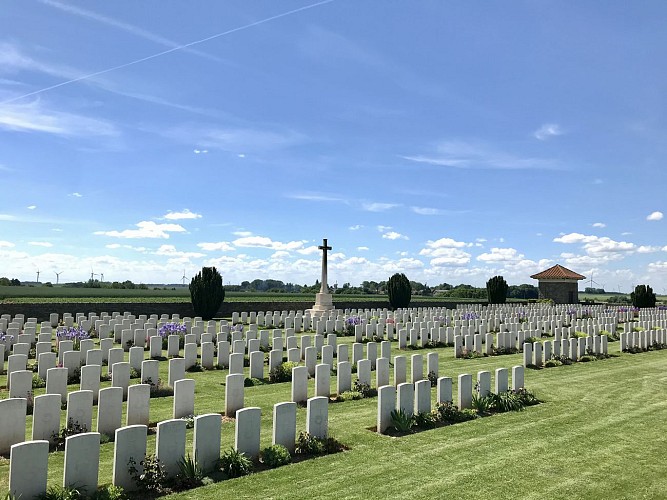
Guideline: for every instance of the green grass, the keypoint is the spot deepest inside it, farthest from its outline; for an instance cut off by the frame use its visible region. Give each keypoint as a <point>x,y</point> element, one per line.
<point>599,434</point>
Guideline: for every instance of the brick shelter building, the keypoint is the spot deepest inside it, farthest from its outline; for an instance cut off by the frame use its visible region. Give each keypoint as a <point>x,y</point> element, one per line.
<point>559,284</point>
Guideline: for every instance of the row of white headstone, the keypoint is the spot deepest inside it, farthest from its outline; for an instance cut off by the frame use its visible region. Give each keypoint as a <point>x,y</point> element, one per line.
<point>82,451</point>
<point>415,397</point>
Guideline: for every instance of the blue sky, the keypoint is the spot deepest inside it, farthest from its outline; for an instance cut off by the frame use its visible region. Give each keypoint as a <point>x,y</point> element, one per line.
<point>452,141</point>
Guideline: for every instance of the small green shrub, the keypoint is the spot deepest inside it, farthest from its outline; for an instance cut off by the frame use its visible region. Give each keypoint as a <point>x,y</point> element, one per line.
<point>276,456</point>
<point>72,428</point>
<point>62,493</point>
<point>579,335</point>
<point>307,444</point>
<point>251,382</point>
<point>197,367</point>
<point>365,390</point>
<point>481,404</point>
<point>433,378</point>
<point>350,396</point>
<point>530,340</point>
<point>109,492</point>
<point>38,382</point>
<point>134,373</point>
<point>189,474</point>
<point>75,377</point>
<point>553,363</point>
<point>449,413</point>
<point>282,372</point>
<point>425,420</point>
<point>401,421</point>
<point>150,481</point>
<point>189,421</point>
<point>234,463</point>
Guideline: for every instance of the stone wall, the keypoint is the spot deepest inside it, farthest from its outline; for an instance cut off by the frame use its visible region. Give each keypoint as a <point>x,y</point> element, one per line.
<point>559,292</point>
<point>42,311</point>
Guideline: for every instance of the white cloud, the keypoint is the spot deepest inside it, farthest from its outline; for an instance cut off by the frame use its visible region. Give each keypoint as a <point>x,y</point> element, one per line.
<point>113,245</point>
<point>356,227</point>
<point>200,151</point>
<point>264,242</point>
<point>40,244</point>
<point>234,139</point>
<point>280,254</point>
<point>574,238</point>
<point>362,249</point>
<point>33,117</point>
<point>309,250</point>
<point>393,235</point>
<point>147,229</point>
<point>242,233</point>
<point>382,229</point>
<point>185,214</point>
<point>471,155</point>
<point>32,207</point>
<point>648,249</point>
<point>317,197</point>
<point>655,216</point>
<point>547,131</point>
<point>599,224</point>
<point>170,251</point>
<point>432,247</point>
<point>222,246</point>
<point>450,257</point>
<point>76,195</point>
<point>500,255</point>
<point>427,211</point>
<point>6,244</point>
<point>378,207</point>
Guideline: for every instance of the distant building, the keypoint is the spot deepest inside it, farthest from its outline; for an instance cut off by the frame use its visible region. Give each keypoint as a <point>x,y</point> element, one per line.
<point>559,284</point>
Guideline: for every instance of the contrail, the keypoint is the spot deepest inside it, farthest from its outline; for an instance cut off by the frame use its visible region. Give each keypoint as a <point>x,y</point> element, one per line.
<point>168,51</point>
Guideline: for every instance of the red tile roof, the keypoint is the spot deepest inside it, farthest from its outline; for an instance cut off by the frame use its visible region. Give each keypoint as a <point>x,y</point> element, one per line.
<point>558,272</point>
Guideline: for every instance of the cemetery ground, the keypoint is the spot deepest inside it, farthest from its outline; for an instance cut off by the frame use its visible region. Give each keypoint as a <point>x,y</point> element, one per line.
<point>598,434</point>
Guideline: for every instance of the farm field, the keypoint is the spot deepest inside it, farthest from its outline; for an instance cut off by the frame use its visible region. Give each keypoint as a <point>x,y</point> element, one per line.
<point>598,434</point>
<point>61,294</point>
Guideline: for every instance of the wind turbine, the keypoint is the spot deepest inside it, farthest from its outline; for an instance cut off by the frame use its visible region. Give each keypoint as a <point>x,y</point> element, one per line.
<point>57,276</point>
<point>183,277</point>
<point>101,277</point>
<point>92,274</point>
<point>38,275</point>
<point>591,281</point>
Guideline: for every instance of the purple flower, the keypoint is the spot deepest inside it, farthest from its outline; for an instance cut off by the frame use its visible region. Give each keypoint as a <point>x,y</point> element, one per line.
<point>172,329</point>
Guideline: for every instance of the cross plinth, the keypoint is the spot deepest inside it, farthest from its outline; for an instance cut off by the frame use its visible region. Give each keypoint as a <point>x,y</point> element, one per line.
<point>323,300</point>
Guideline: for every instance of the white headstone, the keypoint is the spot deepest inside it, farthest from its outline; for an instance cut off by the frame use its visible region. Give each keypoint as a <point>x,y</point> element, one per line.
<point>82,461</point>
<point>317,417</point>
<point>129,443</point>
<point>138,404</point>
<point>184,398</point>
<point>386,404</point>
<point>233,393</point>
<point>170,444</point>
<point>46,417</point>
<point>248,424</point>
<point>12,416</point>
<point>109,410</point>
<point>206,439</point>
<point>284,425</point>
<point>28,468</point>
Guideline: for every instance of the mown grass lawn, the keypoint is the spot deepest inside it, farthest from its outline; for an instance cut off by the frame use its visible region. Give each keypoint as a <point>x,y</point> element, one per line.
<point>599,434</point>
